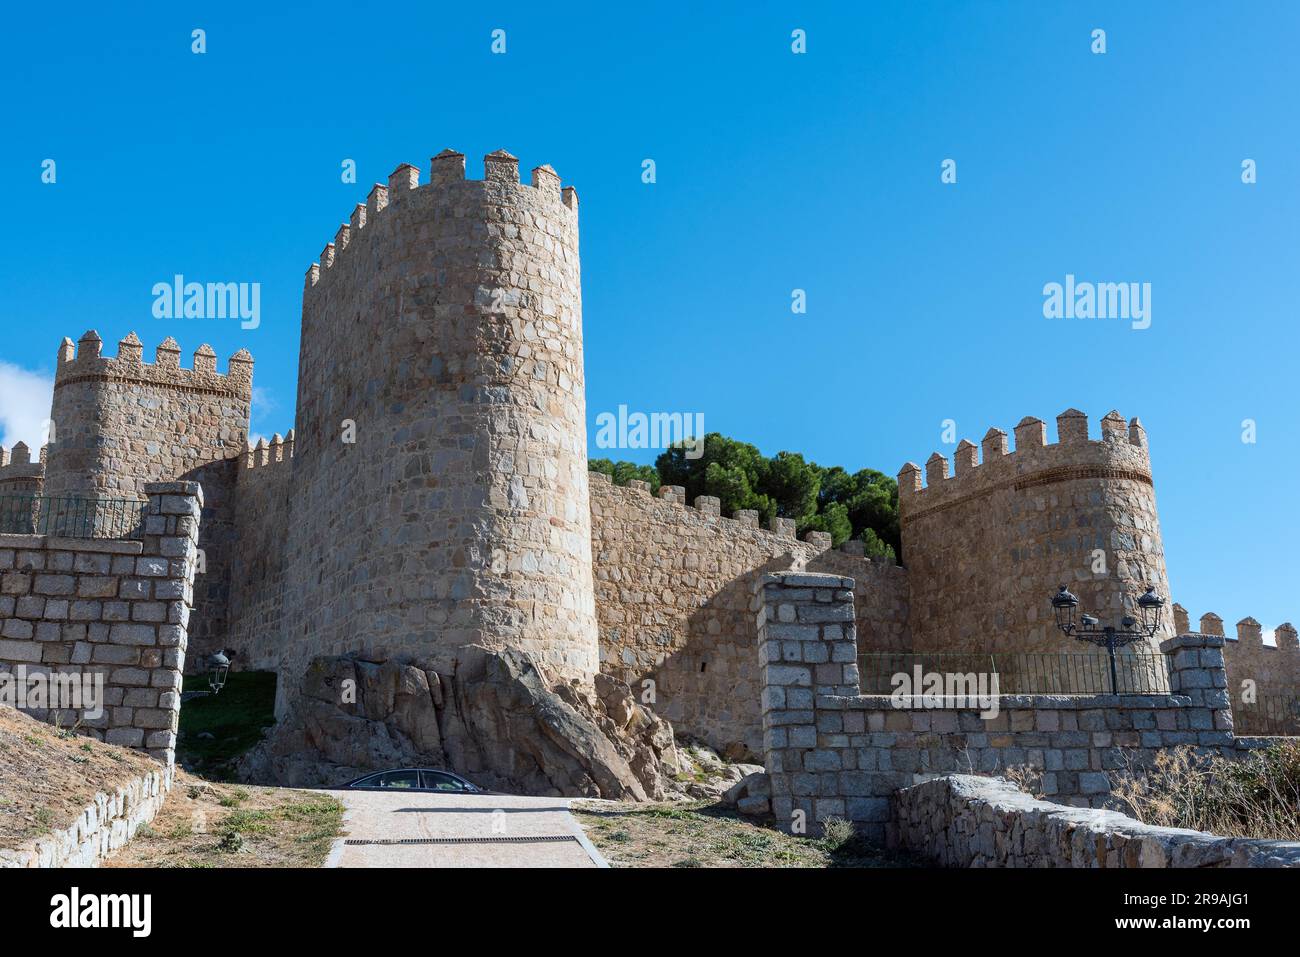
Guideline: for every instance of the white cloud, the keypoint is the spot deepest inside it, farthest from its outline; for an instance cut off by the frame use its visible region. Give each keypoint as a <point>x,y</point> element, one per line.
<point>263,402</point>
<point>24,406</point>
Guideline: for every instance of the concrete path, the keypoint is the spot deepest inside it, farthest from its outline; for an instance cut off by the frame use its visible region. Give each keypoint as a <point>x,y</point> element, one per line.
<point>484,831</point>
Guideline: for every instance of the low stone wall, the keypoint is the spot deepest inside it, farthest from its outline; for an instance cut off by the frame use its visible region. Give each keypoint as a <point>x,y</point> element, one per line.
<point>118,609</point>
<point>107,824</point>
<point>831,752</point>
<point>673,586</point>
<point>967,821</point>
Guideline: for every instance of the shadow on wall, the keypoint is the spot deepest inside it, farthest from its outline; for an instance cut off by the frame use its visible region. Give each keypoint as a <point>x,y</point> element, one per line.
<point>217,544</point>
<point>880,600</point>
<point>710,686</point>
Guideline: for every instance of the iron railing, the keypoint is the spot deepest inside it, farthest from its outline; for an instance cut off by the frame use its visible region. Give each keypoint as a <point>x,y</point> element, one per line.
<point>1269,714</point>
<point>71,517</point>
<point>1068,673</point>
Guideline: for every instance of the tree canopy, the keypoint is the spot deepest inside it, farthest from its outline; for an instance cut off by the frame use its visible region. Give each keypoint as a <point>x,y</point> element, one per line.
<point>862,504</point>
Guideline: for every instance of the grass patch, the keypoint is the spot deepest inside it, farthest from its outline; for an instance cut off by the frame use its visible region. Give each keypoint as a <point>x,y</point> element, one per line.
<point>708,834</point>
<point>215,730</point>
<point>204,824</point>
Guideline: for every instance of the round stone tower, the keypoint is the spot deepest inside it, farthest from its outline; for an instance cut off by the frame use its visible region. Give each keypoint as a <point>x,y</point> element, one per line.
<point>987,547</point>
<point>119,423</point>
<point>440,468</point>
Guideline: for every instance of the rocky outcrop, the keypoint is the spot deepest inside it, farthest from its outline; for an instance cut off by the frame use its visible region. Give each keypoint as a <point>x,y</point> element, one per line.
<point>500,722</point>
<point>751,795</point>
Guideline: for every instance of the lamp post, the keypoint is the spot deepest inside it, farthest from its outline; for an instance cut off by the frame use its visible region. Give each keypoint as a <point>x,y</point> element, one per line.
<point>1091,629</point>
<point>218,669</point>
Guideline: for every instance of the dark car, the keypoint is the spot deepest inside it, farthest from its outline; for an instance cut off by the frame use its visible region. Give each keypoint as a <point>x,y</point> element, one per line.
<point>415,779</point>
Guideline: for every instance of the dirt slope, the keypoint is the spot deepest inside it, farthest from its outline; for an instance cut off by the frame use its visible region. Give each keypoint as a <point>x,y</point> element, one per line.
<point>48,776</point>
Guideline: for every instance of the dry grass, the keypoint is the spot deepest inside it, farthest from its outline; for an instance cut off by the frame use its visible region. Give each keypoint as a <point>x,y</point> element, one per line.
<point>1255,797</point>
<point>707,834</point>
<point>203,824</point>
<point>48,775</point>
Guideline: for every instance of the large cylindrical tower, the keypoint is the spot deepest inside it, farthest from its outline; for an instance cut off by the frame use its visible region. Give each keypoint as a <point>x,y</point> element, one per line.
<point>987,547</point>
<point>440,495</point>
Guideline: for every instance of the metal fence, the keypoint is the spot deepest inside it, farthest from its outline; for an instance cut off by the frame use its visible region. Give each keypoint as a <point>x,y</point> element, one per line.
<point>1269,714</point>
<point>1069,673</point>
<point>71,517</point>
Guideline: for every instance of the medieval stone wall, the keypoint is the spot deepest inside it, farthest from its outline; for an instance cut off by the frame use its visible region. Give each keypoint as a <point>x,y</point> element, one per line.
<point>987,547</point>
<point>262,513</point>
<point>832,752</point>
<point>19,475</point>
<point>1270,669</point>
<point>117,609</point>
<point>441,499</point>
<point>673,591</point>
<point>220,542</point>
<point>121,423</point>
<point>1263,679</point>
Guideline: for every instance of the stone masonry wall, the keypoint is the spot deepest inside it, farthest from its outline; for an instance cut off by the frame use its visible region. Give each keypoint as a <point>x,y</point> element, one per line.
<point>120,423</point>
<point>119,609</point>
<point>18,473</point>
<point>1274,669</point>
<point>1263,680</point>
<point>444,323</point>
<point>987,547</point>
<point>222,544</point>
<point>968,821</point>
<point>673,590</point>
<point>262,515</point>
<point>831,752</point>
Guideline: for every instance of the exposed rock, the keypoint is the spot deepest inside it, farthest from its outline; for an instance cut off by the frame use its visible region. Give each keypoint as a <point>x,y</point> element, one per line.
<point>752,794</point>
<point>499,722</point>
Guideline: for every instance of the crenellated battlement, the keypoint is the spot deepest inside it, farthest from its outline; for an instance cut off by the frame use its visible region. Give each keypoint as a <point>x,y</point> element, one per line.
<point>85,362</point>
<point>1120,453</point>
<point>1252,664</point>
<point>267,455</point>
<point>1250,633</point>
<point>446,174</point>
<point>709,508</point>
<point>18,473</point>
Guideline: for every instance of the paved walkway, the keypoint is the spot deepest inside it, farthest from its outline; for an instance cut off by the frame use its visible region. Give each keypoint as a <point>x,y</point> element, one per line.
<point>485,831</point>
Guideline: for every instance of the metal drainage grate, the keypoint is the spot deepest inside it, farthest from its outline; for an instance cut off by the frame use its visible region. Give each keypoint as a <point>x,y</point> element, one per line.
<point>539,839</point>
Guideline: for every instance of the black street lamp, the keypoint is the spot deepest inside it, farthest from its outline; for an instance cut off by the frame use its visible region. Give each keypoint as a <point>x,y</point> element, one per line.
<point>1092,630</point>
<point>218,669</point>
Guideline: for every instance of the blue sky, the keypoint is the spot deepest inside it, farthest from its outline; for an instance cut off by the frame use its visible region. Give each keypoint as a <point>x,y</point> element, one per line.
<point>775,171</point>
